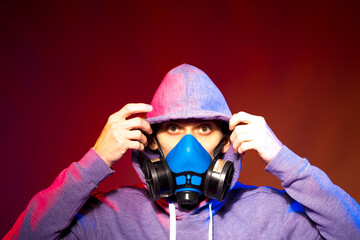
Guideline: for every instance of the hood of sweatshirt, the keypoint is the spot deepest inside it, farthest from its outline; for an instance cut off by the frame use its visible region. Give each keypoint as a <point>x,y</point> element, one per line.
<point>186,92</point>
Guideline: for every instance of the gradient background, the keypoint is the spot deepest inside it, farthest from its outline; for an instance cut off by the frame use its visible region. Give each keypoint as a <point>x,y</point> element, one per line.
<point>65,67</point>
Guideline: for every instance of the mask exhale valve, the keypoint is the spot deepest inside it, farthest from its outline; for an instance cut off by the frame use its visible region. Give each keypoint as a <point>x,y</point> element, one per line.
<point>188,172</point>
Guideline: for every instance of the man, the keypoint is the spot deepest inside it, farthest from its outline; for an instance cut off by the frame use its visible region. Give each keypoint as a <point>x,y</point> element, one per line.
<point>187,152</point>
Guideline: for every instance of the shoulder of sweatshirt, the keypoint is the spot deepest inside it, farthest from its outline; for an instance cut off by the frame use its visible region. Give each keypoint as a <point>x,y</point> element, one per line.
<point>242,191</point>
<point>124,196</point>
<point>252,196</point>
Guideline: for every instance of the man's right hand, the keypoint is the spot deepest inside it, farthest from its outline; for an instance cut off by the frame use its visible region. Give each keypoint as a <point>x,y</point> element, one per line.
<point>122,133</point>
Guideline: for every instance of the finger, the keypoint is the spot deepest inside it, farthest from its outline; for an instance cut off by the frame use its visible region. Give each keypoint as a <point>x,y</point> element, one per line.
<point>136,123</point>
<point>245,146</point>
<point>243,117</point>
<point>133,108</point>
<point>136,135</point>
<point>240,139</point>
<point>135,145</point>
<point>242,130</point>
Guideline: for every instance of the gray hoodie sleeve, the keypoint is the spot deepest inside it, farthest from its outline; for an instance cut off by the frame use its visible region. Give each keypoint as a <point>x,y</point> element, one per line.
<point>335,214</point>
<point>51,211</point>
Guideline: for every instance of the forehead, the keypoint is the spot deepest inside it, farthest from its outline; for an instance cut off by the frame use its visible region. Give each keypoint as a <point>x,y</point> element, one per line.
<point>194,123</point>
<point>190,122</point>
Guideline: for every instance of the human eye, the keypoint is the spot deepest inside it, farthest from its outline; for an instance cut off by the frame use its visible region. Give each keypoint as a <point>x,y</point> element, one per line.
<point>205,129</point>
<point>172,128</point>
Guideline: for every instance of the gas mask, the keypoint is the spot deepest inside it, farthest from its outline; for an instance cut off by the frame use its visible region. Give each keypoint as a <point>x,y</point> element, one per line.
<point>188,172</point>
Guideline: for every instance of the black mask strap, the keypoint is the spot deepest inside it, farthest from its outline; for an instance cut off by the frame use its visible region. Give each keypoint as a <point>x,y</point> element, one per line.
<point>217,150</point>
<point>159,147</point>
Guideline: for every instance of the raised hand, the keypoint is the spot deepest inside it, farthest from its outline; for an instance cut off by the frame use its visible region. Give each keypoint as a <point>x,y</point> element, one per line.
<point>123,131</point>
<point>252,132</point>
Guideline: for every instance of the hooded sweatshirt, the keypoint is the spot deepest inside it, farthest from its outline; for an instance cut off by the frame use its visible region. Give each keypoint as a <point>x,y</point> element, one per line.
<point>309,207</point>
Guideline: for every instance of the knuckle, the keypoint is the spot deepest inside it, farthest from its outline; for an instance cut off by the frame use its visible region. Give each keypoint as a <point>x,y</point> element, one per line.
<point>235,117</point>
<point>139,123</point>
<point>123,144</point>
<point>261,119</point>
<point>237,130</point>
<point>232,138</point>
<point>236,143</point>
<point>139,146</point>
<point>127,107</point>
<point>137,133</point>
<point>112,126</point>
<point>110,118</point>
<point>119,140</point>
<point>231,121</point>
<point>114,135</point>
<point>147,125</point>
<point>125,148</point>
<point>143,138</point>
<point>241,114</point>
<point>236,137</point>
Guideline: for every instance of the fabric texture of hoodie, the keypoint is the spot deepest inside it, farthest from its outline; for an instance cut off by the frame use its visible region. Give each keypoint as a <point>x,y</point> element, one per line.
<point>309,207</point>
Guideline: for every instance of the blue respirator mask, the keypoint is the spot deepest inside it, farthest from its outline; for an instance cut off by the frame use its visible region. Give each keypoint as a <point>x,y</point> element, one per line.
<point>188,172</point>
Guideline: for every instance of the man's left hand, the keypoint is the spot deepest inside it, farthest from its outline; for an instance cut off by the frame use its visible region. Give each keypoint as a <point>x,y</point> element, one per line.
<point>252,132</point>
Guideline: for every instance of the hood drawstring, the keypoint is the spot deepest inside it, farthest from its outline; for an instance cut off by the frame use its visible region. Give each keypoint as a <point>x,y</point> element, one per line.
<point>173,222</point>
<point>210,223</point>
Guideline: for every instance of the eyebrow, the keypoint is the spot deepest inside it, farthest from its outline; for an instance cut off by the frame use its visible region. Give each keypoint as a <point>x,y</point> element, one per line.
<point>187,121</point>
<point>196,123</point>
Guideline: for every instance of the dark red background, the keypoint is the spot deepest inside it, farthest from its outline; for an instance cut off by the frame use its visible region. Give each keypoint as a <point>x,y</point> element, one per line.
<point>65,67</point>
